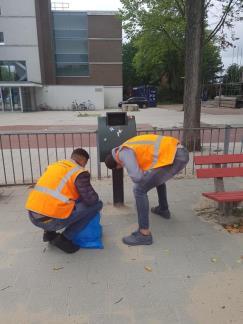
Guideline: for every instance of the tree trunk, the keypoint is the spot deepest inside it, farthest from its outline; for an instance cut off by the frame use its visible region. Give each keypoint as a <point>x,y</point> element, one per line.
<point>193,66</point>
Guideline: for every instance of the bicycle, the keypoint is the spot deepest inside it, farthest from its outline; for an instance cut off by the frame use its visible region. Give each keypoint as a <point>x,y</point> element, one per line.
<point>90,105</point>
<point>83,106</point>
<point>78,107</point>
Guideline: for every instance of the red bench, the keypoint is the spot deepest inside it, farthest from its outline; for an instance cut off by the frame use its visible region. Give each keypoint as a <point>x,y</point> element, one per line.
<point>221,166</point>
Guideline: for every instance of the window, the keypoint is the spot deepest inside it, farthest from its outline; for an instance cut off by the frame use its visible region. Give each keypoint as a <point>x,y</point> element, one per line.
<point>13,71</point>
<point>64,69</point>
<point>1,38</point>
<point>79,33</point>
<point>70,20</point>
<point>67,46</point>
<point>71,43</point>
<point>74,58</point>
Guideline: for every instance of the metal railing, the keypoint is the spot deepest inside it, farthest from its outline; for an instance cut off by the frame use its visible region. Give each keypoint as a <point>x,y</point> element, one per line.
<point>25,155</point>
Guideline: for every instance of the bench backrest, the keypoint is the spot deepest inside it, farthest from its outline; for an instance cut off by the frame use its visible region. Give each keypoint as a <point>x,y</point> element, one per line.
<point>216,161</point>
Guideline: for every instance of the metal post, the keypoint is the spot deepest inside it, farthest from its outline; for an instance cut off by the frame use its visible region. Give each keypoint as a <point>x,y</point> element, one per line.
<point>223,206</point>
<point>11,99</point>
<point>98,157</point>
<point>21,99</point>
<point>1,96</point>
<point>227,138</point>
<point>118,187</point>
<point>220,93</point>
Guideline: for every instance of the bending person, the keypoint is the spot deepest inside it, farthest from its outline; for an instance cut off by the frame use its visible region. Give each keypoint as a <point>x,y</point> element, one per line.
<point>150,160</point>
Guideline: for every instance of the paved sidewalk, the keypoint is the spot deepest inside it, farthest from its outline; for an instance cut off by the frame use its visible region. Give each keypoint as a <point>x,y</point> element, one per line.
<point>191,274</point>
<point>166,116</point>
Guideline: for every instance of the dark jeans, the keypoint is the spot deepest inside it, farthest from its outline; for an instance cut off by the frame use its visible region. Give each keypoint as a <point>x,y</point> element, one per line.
<point>80,217</point>
<point>155,179</point>
<point>162,197</point>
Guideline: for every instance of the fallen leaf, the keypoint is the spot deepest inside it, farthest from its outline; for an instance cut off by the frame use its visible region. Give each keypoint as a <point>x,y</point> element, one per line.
<point>228,227</point>
<point>234,230</point>
<point>119,301</point>
<point>214,260</point>
<point>166,252</point>
<point>5,288</point>
<point>148,269</point>
<point>241,229</point>
<point>56,269</point>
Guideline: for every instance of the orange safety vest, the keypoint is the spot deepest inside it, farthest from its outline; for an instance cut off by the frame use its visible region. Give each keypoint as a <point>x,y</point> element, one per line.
<point>55,192</point>
<point>152,151</point>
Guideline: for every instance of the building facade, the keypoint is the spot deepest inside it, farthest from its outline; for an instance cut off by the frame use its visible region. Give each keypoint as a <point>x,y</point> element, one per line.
<point>48,59</point>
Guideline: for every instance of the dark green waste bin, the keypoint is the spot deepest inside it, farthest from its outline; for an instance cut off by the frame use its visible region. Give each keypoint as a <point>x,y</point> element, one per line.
<point>113,130</point>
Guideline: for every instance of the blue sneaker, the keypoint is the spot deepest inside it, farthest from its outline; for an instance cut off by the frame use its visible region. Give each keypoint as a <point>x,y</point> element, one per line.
<point>137,238</point>
<point>163,213</point>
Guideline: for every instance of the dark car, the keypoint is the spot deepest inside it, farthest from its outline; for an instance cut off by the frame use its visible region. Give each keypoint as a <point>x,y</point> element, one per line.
<point>142,102</point>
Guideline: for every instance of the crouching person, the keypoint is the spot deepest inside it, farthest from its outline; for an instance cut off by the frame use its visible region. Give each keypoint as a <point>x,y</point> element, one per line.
<point>64,198</point>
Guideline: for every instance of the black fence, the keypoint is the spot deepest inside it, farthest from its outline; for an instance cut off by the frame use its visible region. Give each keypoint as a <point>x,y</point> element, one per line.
<point>25,155</point>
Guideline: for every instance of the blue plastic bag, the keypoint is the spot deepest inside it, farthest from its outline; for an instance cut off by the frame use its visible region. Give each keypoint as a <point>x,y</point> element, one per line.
<point>90,237</point>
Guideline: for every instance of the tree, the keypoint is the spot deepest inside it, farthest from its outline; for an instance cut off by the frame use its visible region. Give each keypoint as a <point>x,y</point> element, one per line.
<point>154,52</point>
<point>193,69</point>
<point>160,63</point>
<point>195,17</point>
<point>234,73</point>
<point>156,61</point>
<point>166,17</point>
<point>211,62</point>
<point>130,75</point>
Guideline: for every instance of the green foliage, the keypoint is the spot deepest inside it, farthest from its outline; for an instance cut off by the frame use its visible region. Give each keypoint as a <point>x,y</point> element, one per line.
<point>157,16</point>
<point>234,73</point>
<point>212,63</point>
<point>130,75</point>
<point>161,64</point>
<point>156,52</point>
<point>168,16</point>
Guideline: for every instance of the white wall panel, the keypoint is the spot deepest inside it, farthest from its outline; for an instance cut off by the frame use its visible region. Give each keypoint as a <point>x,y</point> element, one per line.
<point>113,95</point>
<point>61,97</point>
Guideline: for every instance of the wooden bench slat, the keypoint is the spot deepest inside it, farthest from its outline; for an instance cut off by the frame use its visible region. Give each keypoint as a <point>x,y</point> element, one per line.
<point>220,172</point>
<point>218,159</point>
<point>230,196</point>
